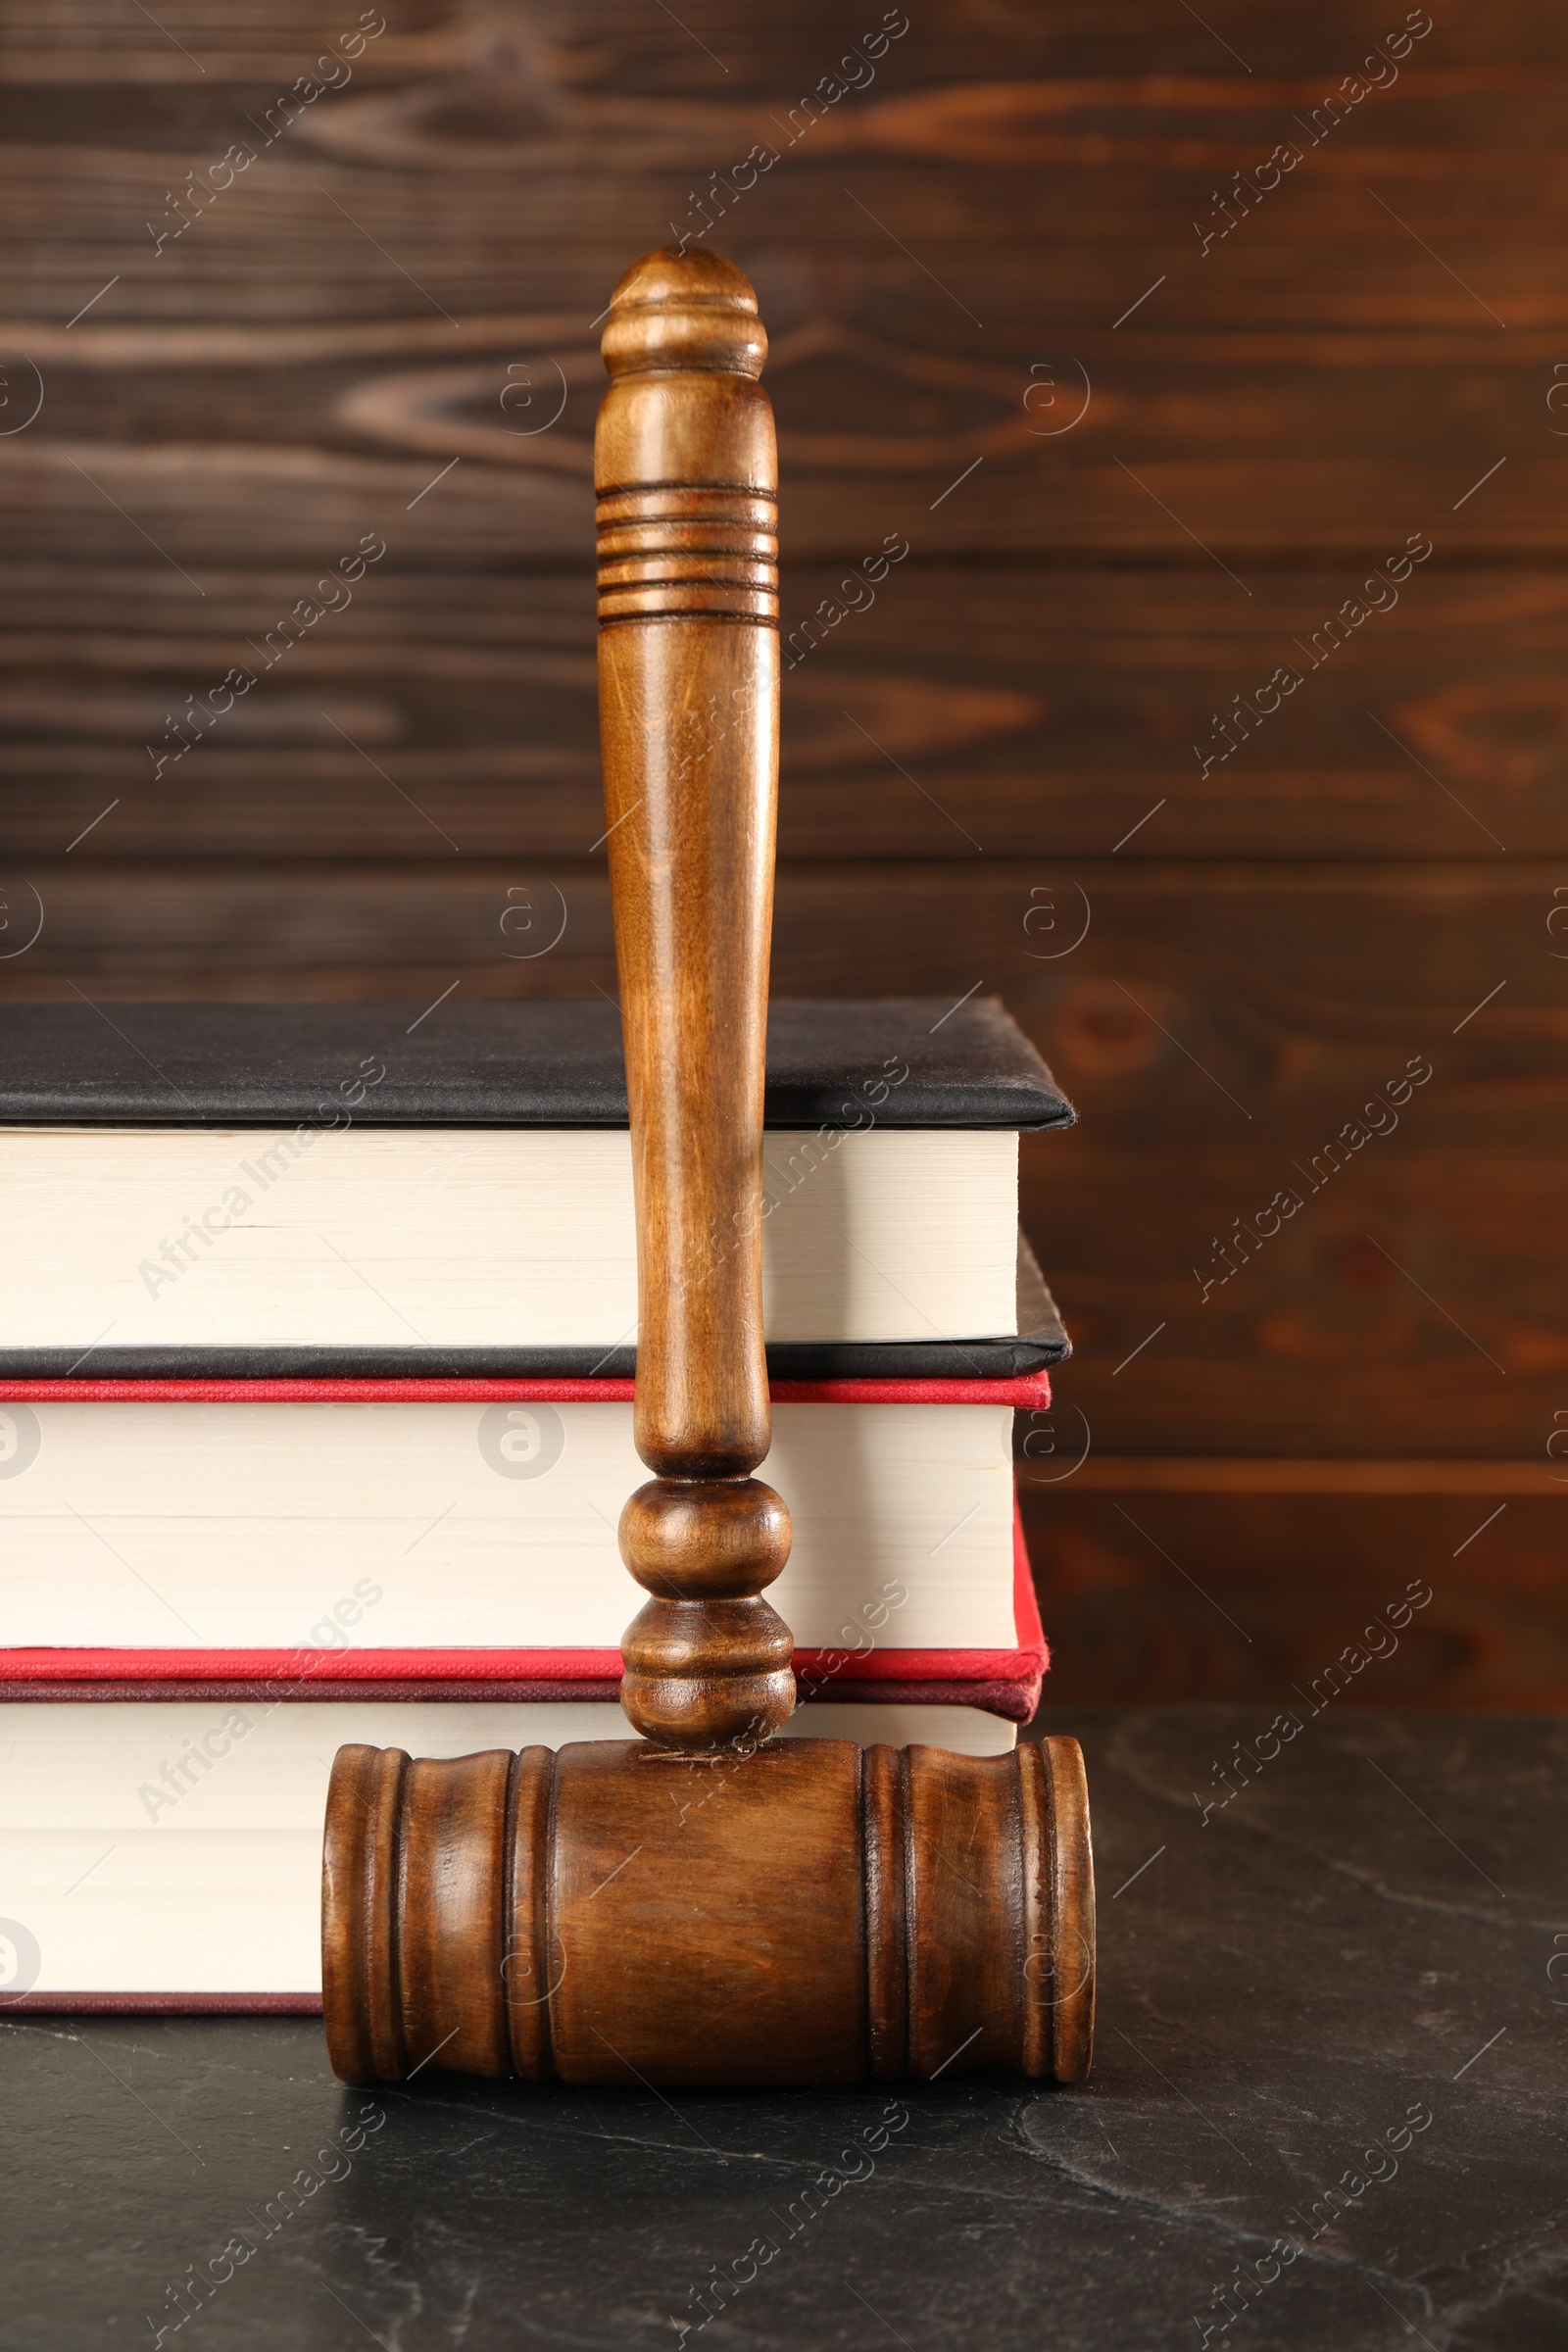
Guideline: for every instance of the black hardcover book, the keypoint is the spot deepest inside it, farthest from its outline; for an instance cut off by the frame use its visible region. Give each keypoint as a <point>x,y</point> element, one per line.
<point>549,1062</point>
<point>395,1192</point>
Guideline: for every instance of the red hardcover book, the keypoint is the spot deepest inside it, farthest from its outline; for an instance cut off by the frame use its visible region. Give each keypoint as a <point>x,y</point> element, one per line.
<point>1003,1681</point>
<point>161,1816</point>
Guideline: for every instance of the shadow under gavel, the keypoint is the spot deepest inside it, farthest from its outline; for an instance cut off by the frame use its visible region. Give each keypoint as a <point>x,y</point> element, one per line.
<point>708,1904</point>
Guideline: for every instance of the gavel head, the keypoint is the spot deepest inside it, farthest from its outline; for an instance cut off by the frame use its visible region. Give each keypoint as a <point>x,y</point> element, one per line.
<point>810,1912</point>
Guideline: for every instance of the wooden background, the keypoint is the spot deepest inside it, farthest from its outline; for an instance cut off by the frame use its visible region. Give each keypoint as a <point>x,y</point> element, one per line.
<point>1217,447</point>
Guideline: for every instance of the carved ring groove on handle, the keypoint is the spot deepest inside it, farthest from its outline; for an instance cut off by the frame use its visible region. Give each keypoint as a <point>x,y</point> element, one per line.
<point>688,548</point>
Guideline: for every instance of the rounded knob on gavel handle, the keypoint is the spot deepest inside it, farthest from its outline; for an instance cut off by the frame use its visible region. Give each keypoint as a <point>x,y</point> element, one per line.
<point>702,1906</point>
<point>813,1912</point>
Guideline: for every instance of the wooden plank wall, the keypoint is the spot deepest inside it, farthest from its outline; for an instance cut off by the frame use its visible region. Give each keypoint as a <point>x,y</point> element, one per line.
<point>1147,403</point>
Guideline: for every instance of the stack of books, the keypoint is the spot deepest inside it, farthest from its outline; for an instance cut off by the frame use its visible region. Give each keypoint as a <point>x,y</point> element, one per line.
<point>317,1352</point>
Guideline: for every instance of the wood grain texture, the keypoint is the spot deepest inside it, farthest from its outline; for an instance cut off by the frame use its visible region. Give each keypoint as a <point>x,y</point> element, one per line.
<point>1419,1306</point>
<point>1284,383</point>
<point>940,717</point>
<point>1297,987</point>
<point>1153,1595</point>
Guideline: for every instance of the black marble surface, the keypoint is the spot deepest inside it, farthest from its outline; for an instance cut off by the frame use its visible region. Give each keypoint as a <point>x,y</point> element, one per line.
<point>1361,1939</point>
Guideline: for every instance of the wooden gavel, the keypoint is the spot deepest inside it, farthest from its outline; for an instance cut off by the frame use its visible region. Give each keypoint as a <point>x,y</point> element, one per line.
<point>707,1904</point>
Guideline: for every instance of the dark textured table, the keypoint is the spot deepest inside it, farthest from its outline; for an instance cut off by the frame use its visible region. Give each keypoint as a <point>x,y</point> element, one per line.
<point>1329,2102</point>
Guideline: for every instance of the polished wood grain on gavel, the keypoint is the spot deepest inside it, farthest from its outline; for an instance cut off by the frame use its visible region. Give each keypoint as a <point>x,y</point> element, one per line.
<point>707,1904</point>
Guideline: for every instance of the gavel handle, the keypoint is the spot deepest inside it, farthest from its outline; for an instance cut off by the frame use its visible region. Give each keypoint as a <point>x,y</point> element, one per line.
<point>686,473</point>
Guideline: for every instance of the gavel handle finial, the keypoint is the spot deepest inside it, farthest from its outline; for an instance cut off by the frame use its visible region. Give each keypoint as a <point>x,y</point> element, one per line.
<point>687,479</point>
